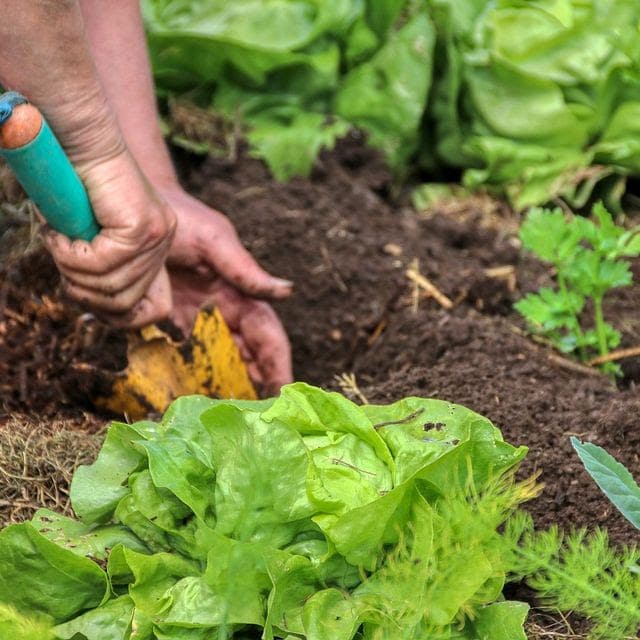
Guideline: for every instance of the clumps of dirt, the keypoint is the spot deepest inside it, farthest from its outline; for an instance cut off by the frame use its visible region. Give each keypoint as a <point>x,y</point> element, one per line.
<point>46,343</point>
<point>37,460</point>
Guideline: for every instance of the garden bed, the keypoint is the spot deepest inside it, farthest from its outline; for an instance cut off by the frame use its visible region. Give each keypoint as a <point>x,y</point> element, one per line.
<point>337,237</point>
<point>345,245</point>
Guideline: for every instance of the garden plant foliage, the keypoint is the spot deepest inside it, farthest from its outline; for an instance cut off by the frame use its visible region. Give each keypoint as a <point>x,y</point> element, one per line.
<point>304,517</point>
<point>534,99</point>
<point>581,573</point>
<point>590,259</point>
<point>612,477</point>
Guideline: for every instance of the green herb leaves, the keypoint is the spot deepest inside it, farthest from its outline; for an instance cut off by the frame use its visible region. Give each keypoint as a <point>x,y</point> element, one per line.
<point>588,257</point>
<point>580,573</point>
<point>306,517</point>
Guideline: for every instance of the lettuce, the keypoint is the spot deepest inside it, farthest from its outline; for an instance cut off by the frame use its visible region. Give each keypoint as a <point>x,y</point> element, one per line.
<point>534,100</point>
<point>307,517</point>
<point>299,73</point>
<point>533,93</point>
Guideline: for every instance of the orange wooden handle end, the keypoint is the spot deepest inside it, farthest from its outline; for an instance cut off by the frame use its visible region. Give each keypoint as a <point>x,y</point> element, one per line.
<point>21,128</point>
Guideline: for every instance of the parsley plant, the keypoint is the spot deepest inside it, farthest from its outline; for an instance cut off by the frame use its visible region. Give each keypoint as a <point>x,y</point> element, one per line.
<point>588,259</point>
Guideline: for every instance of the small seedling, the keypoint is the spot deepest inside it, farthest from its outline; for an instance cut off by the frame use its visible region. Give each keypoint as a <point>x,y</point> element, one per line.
<point>588,257</point>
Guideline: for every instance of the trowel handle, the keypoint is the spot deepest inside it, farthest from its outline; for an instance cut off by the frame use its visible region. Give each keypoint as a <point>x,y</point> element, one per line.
<point>43,169</point>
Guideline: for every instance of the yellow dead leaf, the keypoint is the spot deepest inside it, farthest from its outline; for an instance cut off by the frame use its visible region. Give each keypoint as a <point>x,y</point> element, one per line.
<point>161,369</point>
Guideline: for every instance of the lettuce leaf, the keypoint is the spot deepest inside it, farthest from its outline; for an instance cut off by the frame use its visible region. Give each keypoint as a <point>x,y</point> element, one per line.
<point>533,100</point>
<point>306,516</point>
<point>299,73</point>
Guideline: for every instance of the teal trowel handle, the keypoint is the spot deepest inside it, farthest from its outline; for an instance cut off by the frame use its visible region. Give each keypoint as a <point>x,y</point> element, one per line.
<point>48,177</point>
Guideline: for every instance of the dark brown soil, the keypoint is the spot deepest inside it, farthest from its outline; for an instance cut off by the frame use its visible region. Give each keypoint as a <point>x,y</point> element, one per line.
<point>46,344</point>
<point>347,248</point>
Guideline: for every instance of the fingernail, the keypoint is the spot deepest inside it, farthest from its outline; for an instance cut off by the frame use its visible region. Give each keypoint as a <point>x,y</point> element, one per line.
<point>281,283</point>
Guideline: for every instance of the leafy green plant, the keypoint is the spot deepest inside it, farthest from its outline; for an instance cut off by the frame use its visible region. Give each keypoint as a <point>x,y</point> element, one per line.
<point>299,73</point>
<point>543,111</point>
<point>588,259</point>
<point>532,113</point>
<point>301,517</point>
<point>580,573</point>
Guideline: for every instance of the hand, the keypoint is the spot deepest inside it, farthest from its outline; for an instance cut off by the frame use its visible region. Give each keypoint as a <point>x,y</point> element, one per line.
<point>120,274</point>
<point>207,262</point>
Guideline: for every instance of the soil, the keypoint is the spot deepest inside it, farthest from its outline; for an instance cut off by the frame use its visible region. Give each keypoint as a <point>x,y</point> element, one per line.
<point>347,246</point>
<point>47,345</point>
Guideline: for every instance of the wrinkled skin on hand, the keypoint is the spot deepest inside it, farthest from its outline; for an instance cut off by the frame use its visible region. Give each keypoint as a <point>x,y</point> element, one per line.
<point>162,253</point>
<point>207,262</point>
<point>121,274</point>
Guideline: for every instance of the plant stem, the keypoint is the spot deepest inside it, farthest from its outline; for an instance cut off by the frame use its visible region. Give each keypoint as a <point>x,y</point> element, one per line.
<point>600,326</point>
<point>577,329</point>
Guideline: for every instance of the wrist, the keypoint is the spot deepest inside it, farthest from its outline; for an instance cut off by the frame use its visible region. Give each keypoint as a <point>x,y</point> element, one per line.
<point>86,128</point>
<point>152,155</point>
<point>164,181</point>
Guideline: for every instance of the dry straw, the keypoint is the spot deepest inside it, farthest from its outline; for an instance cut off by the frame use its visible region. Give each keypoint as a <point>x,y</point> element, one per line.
<point>37,460</point>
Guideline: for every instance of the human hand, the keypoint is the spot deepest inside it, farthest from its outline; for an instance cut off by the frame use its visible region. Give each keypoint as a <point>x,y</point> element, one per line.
<point>207,262</point>
<point>120,274</point>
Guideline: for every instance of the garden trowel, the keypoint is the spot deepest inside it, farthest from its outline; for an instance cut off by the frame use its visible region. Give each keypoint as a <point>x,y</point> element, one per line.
<point>159,368</point>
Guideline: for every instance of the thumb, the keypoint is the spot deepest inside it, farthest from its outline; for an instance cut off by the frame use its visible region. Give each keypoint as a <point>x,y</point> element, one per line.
<point>226,255</point>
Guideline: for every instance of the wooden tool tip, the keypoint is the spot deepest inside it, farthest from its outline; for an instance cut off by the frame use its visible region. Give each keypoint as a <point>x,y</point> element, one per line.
<point>21,128</point>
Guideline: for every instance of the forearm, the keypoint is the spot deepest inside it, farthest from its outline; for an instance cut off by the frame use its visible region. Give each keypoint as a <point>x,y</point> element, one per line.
<point>117,41</point>
<point>44,54</point>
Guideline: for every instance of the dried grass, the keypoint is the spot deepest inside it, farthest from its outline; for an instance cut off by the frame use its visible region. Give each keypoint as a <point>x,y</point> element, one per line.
<point>37,461</point>
<point>553,629</point>
<point>554,625</point>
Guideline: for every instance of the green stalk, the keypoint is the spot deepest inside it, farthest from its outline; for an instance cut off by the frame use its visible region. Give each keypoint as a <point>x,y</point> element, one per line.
<point>600,326</point>
<point>577,329</point>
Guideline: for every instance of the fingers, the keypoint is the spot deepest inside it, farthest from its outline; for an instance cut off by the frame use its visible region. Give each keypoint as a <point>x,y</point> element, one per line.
<point>210,235</point>
<point>115,283</point>
<point>266,339</point>
<point>120,274</point>
<point>264,342</point>
<point>105,253</point>
<point>236,265</point>
<point>155,305</point>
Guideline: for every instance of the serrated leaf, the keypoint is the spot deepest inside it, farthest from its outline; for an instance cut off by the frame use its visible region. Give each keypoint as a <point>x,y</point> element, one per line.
<point>593,276</point>
<point>552,236</point>
<point>632,245</point>
<point>589,338</point>
<point>607,228</point>
<point>549,309</point>
<point>613,478</point>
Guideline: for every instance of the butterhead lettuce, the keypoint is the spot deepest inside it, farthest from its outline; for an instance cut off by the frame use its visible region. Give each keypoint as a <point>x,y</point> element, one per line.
<point>303,517</point>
